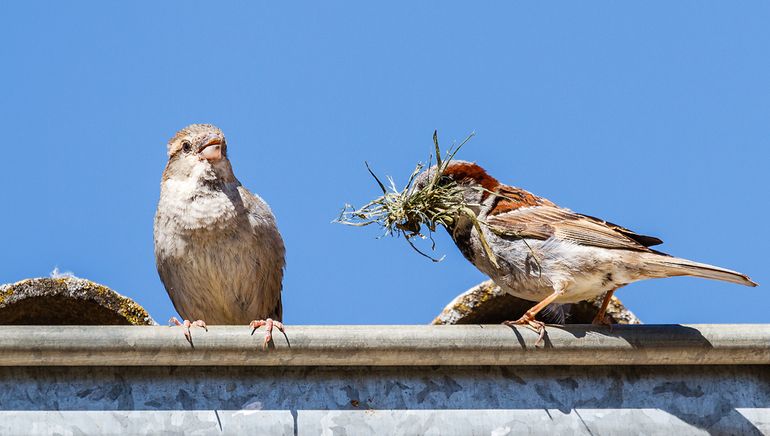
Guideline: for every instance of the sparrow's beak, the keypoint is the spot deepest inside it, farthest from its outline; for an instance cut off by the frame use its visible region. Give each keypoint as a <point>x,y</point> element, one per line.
<point>211,149</point>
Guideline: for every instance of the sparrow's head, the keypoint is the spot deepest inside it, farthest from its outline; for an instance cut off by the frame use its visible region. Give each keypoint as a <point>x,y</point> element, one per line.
<point>200,151</point>
<point>473,179</point>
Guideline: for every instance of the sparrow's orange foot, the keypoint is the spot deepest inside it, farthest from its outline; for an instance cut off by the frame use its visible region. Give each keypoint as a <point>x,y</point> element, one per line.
<point>530,321</point>
<point>186,324</point>
<point>602,319</point>
<point>269,324</point>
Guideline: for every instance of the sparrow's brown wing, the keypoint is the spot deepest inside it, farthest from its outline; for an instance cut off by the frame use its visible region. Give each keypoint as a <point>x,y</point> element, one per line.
<point>543,222</point>
<point>647,241</point>
<point>269,257</point>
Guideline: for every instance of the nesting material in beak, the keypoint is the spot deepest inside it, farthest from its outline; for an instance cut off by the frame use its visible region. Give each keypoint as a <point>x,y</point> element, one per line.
<point>405,212</point>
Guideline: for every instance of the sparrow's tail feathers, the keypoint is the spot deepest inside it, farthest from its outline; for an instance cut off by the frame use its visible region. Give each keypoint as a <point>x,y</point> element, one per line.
<point>664,266</point>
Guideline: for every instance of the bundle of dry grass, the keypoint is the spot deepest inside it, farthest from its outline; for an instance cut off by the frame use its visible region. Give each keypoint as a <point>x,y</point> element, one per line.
<point>405,212</point>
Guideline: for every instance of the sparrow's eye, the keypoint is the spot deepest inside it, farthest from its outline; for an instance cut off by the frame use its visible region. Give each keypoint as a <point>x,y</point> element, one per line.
<point>186,146</point>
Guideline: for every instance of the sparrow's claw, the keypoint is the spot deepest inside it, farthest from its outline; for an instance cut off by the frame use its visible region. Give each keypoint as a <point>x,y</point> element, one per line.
<point>256,324</point>
<point>186,324</point>
<point>602,320</point>
<point>529,321</point>
<point>200,323</point>
<point>269,324</point>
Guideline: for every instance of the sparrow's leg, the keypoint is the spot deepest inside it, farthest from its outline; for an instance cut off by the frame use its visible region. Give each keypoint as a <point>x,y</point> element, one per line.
<point>528,318</point>
<point>268,323</point>
<point>186,326</point>
<point>600,318</point>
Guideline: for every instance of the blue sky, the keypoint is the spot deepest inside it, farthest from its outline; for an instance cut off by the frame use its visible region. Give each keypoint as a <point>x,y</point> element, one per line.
<point>655,116</point>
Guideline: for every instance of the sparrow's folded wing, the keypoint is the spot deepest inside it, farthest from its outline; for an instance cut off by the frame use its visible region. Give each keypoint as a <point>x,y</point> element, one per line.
<point>647,241</point>
<point>543,222</point>
<point>272,261</point>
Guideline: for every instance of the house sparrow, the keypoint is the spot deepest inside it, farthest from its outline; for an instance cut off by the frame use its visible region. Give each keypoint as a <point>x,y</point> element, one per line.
<point>546,253</point>
<point>217,248</point>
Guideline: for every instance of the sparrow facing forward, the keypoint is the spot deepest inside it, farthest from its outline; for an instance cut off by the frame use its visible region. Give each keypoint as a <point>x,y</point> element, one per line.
<point>217,248</point>
<point>547,253</point>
